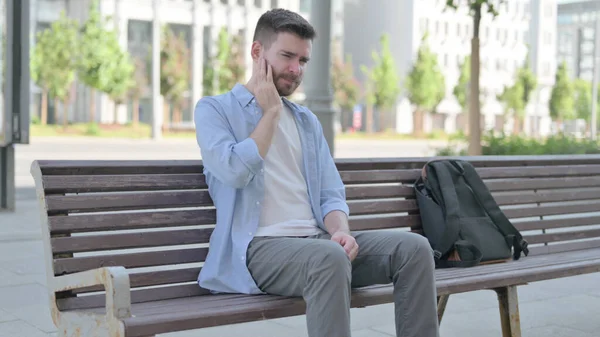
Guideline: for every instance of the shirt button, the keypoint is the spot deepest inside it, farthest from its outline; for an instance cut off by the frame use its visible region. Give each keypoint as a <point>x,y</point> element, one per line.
<point>249,233</point>
<point>243,258</point>
<point>262,170</point>
<point>258,202</point>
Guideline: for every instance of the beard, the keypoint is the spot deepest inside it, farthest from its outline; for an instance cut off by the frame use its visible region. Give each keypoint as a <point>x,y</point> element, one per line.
<point>286,84</point>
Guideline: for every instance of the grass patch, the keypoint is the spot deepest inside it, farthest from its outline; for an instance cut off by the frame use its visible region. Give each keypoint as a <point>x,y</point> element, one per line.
<point>103,131</point>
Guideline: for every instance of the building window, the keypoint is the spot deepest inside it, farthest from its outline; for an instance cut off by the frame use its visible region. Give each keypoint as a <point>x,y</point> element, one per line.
<point>258,3</point>
<point>274,4</point>
<point>224,2</point>
<point>241,2</point>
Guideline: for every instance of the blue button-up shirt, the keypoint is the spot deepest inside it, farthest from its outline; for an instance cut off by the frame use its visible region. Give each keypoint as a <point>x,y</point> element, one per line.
<point>235,178</point>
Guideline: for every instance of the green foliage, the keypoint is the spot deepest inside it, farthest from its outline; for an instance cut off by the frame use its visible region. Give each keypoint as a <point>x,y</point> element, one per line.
<point>344,83</point>
<point>175,72</point>
<point>119,73</point>
<point>96,51</point>
<point>226,68</point>
<point>383,82</point>
<point>512,99</point>
<point>425,82</point>
<point>583,99</point>
<point>527,79</point>
<point>562,104</point>
<point>558,144</point>
<point>92,129</point>
<point>54,56</point>
<point>491,6</point>
<point>461,90</point>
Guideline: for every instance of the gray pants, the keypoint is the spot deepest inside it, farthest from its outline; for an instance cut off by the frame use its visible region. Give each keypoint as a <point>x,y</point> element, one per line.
<point>319,270</point>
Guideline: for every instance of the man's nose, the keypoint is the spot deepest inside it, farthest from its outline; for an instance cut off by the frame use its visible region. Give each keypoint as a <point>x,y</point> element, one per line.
<point>294,67</point>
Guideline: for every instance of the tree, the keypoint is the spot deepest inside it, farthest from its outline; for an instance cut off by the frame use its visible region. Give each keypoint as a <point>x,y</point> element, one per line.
<point>476,9</point>
<point>40,67</point>
<point>382,83</point>
<point>235,65</point>
<point>345,87</point>
<point>562,104</point>
<point>512,99</point>
<point>53,64</point>
<point>461,89</point>
<point>119,75</point>
<point>226,67</point>
<point>516,97</point>
<point>136,92</point>
<point>174,73</point>
<point>95,55</point>
<point>425,85</point>
<point>583,100</point>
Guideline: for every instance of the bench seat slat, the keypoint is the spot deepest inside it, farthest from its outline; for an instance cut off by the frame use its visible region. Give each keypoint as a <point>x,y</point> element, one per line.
<point>562,236</point>
<point>381,191</point>
<point>382,206</point>
<point>557,223</point>
<point>516,198</point>
<point>127,201</point>
<point>130,260</point>
<point>91,243</point>
<point>538,171</point>
<point>545,210</point>
<point>153,278</point>
<point>118,221</point>
<point>128,182</point>
<point>384,222</point>
<point>523,184</point>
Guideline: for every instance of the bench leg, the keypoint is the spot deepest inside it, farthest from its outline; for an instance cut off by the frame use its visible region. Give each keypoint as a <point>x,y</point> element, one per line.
<point>441,306</point>
<point>509,311</point>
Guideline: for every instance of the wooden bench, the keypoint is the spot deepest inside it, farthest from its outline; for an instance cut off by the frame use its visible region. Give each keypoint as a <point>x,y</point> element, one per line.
<point>124,240</point>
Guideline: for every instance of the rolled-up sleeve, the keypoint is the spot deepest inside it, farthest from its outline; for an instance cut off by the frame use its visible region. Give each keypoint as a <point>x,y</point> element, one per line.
<point>231,162</point>
<point>333,191</point>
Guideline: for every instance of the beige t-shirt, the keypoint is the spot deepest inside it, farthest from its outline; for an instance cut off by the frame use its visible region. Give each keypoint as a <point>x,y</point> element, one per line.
<point>286,209</point>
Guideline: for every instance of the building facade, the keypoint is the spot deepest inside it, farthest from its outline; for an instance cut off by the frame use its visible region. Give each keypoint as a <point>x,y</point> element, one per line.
<point>199,21</point>
<point>504,45</point>
<point>576,32</point>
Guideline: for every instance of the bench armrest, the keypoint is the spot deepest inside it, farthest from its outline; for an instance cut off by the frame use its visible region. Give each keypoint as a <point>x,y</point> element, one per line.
<point>116,284</point>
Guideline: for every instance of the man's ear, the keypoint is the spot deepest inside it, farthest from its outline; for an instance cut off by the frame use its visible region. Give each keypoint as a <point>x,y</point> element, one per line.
<point>255,50</point>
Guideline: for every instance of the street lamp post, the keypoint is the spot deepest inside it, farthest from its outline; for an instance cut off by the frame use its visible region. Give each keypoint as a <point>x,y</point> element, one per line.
<point>319,98</point>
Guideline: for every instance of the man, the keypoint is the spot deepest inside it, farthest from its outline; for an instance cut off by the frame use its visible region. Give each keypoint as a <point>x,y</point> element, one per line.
<point>282,218</point>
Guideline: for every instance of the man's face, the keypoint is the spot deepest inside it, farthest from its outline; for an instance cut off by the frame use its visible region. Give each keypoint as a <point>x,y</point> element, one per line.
<point>288,56</point>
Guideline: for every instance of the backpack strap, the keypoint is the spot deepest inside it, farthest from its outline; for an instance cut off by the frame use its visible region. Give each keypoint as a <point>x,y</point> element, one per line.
<point>481,192</point>
<point>440,182</point>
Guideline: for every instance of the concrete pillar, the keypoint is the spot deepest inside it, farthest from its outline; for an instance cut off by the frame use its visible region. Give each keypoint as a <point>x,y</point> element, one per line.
<point>157,111</point>
<point>197,53</point>
<point>319,95</point>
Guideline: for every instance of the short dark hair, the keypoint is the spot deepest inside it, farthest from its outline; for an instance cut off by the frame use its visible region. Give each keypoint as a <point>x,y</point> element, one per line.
<point>280,20</point>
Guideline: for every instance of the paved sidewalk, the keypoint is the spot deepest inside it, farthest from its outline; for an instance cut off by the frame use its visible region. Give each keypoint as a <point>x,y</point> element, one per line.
<point>567,307</point>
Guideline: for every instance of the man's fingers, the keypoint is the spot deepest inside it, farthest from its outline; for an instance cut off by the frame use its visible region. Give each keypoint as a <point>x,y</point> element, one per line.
<point>269,73</point>
<point>261,67</point>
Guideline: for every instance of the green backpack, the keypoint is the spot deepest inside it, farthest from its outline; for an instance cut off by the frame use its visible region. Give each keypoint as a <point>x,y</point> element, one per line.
<point>461,219</point>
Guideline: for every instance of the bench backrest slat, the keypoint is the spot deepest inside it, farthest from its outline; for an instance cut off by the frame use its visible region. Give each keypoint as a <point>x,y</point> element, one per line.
<point>156,217</point>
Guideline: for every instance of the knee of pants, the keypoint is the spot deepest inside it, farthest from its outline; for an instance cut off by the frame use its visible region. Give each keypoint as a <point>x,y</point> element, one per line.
<point>422,249</point>
<point>330,261</point>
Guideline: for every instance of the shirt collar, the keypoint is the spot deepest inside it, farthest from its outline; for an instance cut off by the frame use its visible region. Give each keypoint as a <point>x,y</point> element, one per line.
<point>245,97</point>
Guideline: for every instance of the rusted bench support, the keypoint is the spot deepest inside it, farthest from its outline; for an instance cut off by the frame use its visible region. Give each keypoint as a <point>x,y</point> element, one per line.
<point>509,311</point>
